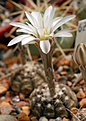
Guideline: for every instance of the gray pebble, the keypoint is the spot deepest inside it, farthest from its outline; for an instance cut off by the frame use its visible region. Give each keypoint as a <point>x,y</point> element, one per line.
<point>60,69</point>
<point>58,119</point>
<point>7,118</point>
<point>43,119</point>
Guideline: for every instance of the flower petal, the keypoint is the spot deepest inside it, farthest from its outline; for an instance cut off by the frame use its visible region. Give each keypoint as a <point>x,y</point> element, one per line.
<point>25,31</point>
<point>41,33</point>
<point>50,20</point>
<point>17,39</point>
<point>63,34</point>
<point>64,20</point>
<point>55,21</point>
<point>45,46</point>
<point>27,40</point>
<point>33,29</point>
<point>31,18</point>
<point>46,14</point>
<point>21,25</point>
<point>38,18</point>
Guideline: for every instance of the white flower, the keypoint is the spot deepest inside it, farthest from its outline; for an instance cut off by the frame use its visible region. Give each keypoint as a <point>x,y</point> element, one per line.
<point>40,30</point>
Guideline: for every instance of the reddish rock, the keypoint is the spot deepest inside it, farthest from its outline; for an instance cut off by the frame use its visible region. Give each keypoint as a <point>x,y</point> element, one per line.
<point>82,103</point>
<point>5,81</point>
<point>64,73</point>
<point>3,90</point>
<point>65,119</point>
<point>23,117</point>
<point>63,61</point>
<point>6,85</point>
<point>82,82</point>
<point>21,104</point>
<point>74,110</point>
<point>7,99</point>
<point>22,96</point>
<point>32,118</point>
<point>80,95</point>
<point>4,103</point>
<point>6,109</point>
<point>26,109</point>
<point>69,83</point>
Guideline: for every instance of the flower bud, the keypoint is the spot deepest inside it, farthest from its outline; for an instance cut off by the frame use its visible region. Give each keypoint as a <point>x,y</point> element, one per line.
<point>80,55</point>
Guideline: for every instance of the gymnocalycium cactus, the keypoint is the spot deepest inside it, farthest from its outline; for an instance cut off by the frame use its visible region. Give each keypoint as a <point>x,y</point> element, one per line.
<point>41,33</point>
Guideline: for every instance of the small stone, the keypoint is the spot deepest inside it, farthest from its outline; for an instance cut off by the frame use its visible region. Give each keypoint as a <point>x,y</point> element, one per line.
<point>22,96</point>
<point>6,85</point>
<point>16,99</point>
<point>7,118</point>
<point>82,103</point>
<point>26,109</point>
<point>63,79</point>
<point>2,98</point>
<point>33,118</point>
<point>74,110</point>
<point>6,109</point>
<point>69,83</point>
<point>43,119</point>
<point>23,117</point>
<point>64,73</point>
<point>63,61</point>
<point>52,120</point>
<point>58,119</point>
<point>80,95</point>
<point>65,119</point>
<point>21,104</point>
<point>60,69</point>
<point>7,99</point>
<point>4,103</point>
<point>3,90</point>
<point>82,82</point>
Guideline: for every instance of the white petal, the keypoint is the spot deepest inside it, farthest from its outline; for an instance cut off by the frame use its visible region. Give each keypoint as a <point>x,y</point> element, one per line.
<point>64,20</point>
<point>38,18</point>
<point>50,20</point>
<point>25,31</point>
<point>33,29</point>
<point>21,25</point>
<point>55,21</point>
<point>45,46</point>
<point>63,34</point>
<point>28,40</point>
<point>48,10</point>
<point>51,35</point>
<point>41,33</point>
<point>17,39</point>
<point>31,18</point>
<point>46,14</point>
